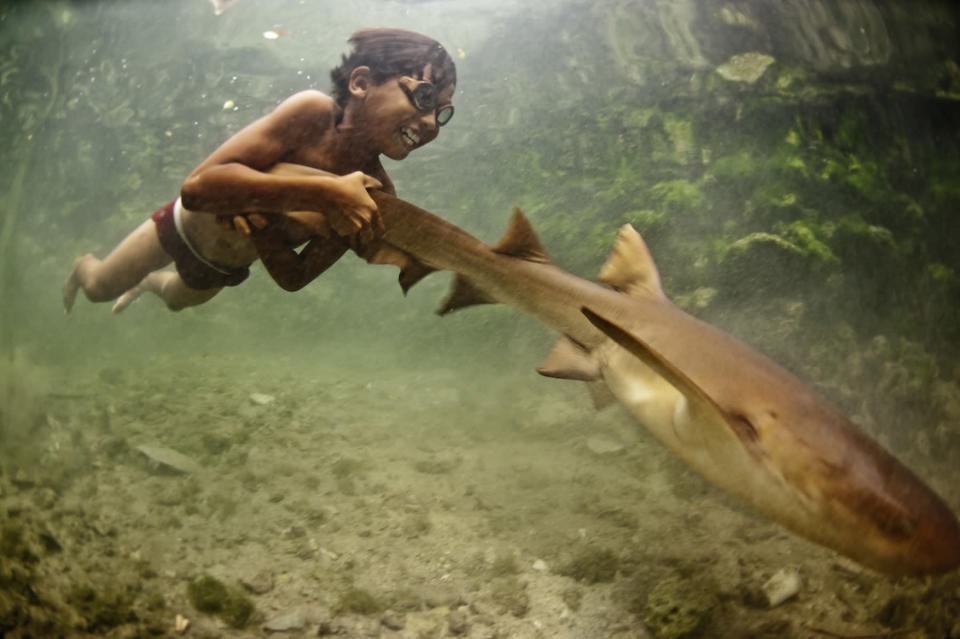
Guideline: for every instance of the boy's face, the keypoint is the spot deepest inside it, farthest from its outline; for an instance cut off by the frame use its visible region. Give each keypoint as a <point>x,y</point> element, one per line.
<point>395,124</point>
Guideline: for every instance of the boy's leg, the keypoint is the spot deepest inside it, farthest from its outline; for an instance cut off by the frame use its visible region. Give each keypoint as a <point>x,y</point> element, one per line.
<point>168,286</point>
<point>126,265</point>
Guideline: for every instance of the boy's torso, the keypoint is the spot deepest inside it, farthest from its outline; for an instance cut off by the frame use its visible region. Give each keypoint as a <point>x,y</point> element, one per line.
<point>229,247</point>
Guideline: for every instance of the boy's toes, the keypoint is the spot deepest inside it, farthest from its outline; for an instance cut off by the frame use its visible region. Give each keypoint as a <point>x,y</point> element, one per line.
<point>69,291</point>
<point>126,300</point>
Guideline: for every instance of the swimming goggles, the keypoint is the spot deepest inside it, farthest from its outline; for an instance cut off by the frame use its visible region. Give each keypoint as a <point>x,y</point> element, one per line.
<point>424,96</point>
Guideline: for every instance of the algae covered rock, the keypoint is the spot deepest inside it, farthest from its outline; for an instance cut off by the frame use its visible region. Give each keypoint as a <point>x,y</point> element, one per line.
<point>209,595</point>
<point>746,67</point>
<point>678,608</point>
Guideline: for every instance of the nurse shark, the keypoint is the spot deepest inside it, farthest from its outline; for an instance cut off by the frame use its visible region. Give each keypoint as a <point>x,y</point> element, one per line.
<point>741,420</point>
<point>738,418</point>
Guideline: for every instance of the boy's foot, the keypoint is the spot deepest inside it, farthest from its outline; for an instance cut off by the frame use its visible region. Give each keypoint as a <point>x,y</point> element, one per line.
<point>127,298</point>
<point>70,288</point>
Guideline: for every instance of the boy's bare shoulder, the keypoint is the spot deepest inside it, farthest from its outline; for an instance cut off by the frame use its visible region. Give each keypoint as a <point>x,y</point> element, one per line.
<point>313,99</point>
<point>314,105</point>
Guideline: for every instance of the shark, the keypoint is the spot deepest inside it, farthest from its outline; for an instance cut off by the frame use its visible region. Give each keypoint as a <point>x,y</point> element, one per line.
<point>741,420</point>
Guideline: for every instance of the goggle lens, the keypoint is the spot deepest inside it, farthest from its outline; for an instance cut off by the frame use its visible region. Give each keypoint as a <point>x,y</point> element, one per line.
<point>424,97</point>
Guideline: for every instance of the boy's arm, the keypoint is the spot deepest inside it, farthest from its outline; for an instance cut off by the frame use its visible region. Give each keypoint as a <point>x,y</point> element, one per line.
<point>233,179</point>
<point>289,269</point>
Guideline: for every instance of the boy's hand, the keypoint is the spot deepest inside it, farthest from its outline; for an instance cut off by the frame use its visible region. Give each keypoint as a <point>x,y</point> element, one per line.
<point>245,224</point>
<point>357,212</point>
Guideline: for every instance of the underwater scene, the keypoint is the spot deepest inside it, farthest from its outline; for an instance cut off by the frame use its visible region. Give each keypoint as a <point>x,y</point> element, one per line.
<point>740,219</point>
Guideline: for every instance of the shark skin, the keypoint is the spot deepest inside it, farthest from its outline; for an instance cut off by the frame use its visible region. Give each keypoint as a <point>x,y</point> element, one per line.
<point>742,421</point>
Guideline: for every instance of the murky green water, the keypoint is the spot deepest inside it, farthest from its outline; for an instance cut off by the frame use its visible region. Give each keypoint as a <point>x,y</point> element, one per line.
<point>792,166</point>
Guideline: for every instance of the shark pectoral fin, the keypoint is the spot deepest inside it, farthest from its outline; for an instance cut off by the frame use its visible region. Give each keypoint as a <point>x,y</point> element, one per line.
<point>630,267</point>
<point>699,403</point>
<point>521,241</point>
<point>462,295</point>
<point>569,360</point>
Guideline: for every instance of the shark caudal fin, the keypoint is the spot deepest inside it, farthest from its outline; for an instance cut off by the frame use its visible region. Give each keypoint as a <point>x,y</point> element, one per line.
<point>630,267</point>
<point>520,241</point>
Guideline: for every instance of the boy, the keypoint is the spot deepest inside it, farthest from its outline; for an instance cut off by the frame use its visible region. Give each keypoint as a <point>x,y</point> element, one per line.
<point>391,95</point>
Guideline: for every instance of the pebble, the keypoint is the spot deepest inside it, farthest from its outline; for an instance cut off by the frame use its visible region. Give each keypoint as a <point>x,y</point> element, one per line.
<point>294,620</point>
<point>457,622</point>
<point>604,446</point>
<point>784,584</point>
<point>261,583</point>
<point>260,399</point>
<point>169,458</point>
<point>394,620</point>
<point>540,565</point>
<point>438,596</point>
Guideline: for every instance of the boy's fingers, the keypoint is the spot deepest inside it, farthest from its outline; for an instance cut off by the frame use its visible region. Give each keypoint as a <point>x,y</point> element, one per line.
<point>259,221</point>
<point>240,223</point>
<point>345,225</point>
<point>371,182</point>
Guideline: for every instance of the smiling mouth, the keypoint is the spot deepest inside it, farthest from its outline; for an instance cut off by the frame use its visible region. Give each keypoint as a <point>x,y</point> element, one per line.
<point>410,138</point>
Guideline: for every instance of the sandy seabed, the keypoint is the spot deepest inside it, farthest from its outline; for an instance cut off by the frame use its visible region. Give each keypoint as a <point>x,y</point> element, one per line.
<point>396,502</point>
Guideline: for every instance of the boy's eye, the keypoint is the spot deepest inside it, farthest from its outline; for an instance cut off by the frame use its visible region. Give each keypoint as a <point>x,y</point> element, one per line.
<point>425,97</point>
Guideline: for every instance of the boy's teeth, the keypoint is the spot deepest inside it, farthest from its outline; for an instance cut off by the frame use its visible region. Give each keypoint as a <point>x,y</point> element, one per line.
<point>410,137</point>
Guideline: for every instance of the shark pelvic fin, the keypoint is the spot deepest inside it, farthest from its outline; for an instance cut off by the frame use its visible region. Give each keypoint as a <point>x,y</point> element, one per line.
<point>521,241</point>
<point>462,295</point>
<point>630,267</point>
<point>569,360</point>
<point>699,402</point>
<point>411,269</point>
<point>413,273</point>
<point>601,394</point>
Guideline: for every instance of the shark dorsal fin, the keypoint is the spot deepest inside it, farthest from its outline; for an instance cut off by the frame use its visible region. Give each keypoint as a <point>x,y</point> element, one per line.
<point>630,267</point>
<point>520,240</point>
<point>463,294</point>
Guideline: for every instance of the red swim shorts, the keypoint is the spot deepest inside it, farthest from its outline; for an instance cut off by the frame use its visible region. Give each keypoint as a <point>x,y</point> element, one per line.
<point>195,273</point>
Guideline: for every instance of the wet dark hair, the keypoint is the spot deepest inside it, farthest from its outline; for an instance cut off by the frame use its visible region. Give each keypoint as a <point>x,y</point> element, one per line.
<point>391,53</point>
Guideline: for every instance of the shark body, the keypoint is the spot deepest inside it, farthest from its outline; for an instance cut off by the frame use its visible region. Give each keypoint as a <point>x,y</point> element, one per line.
<point>741,420</point>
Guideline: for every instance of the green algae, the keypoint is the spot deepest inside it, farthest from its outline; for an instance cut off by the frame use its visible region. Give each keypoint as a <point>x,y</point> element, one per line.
<point>592,565</point>
<point>679,608</point>
<point>211,596</point>
<point>357,601</point>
